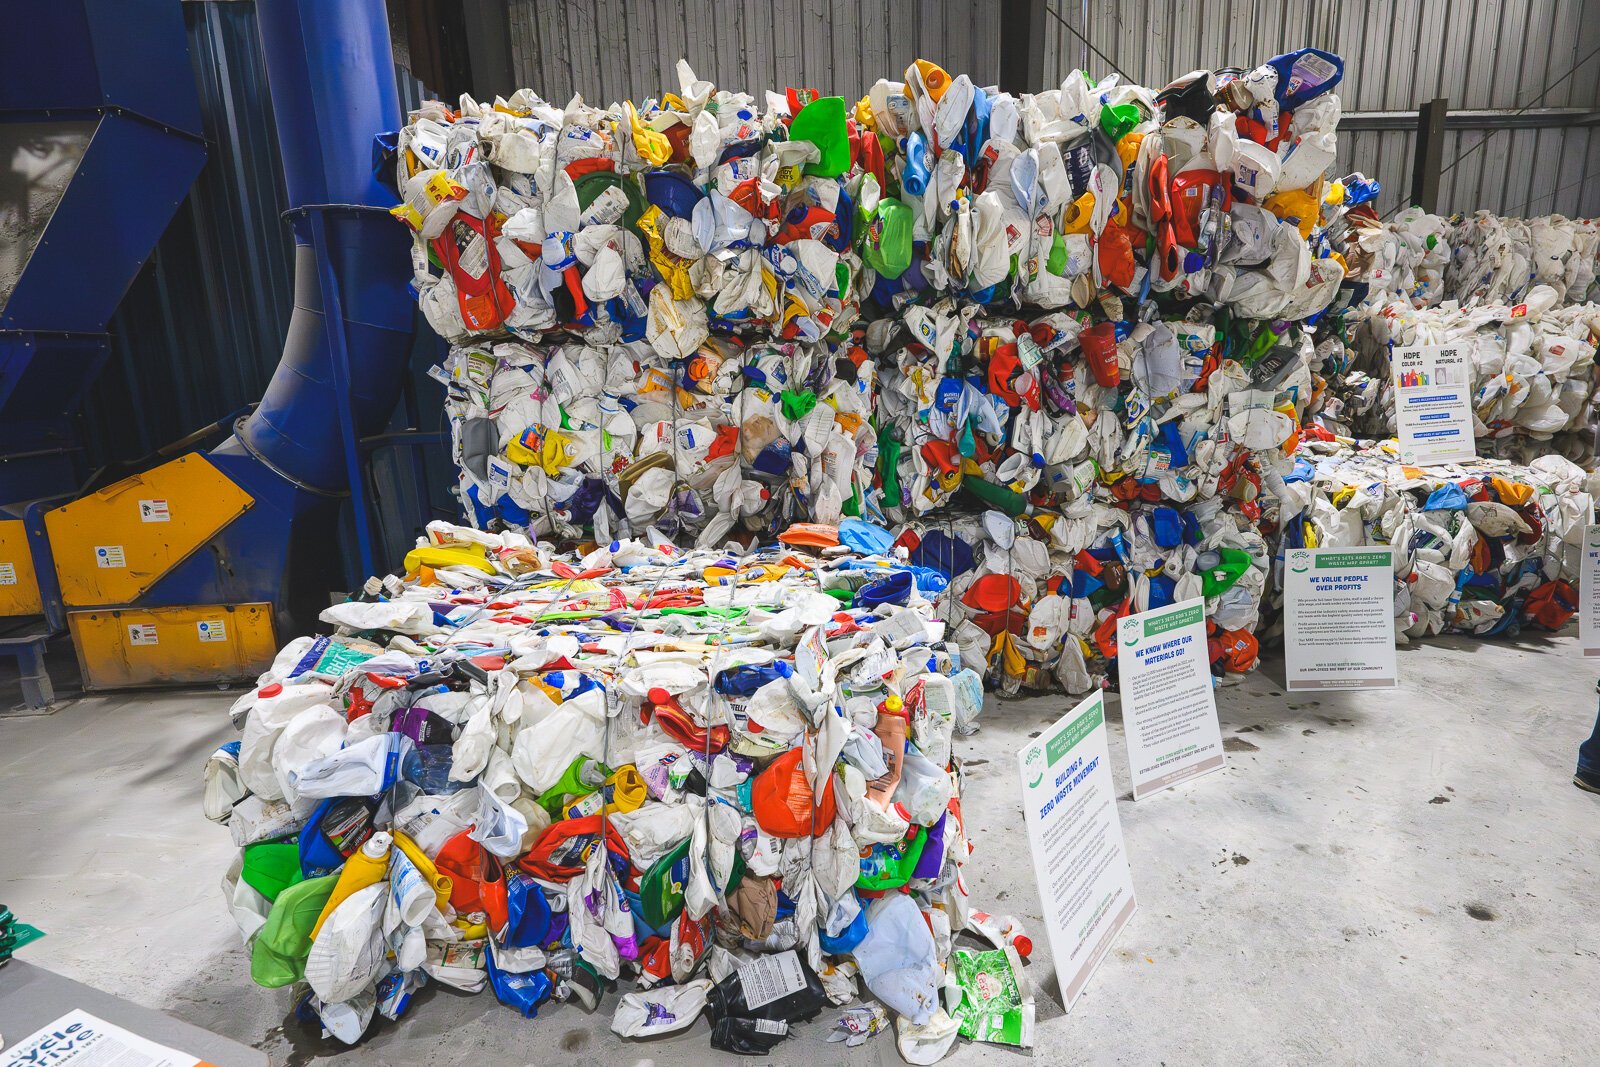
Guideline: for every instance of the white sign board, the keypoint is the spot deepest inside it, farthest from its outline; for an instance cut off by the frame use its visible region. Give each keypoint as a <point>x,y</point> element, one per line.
<point>1070,807</point>
<point>1433,404</point>
<point>1169,711</point>
<point>79,1039</point>
<point>1339,619</point>
<point>1589,592</point>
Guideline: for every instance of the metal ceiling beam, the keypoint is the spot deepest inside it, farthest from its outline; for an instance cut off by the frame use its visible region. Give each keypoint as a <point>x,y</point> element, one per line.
<point>1022,45</point>
<point>1480,119</point>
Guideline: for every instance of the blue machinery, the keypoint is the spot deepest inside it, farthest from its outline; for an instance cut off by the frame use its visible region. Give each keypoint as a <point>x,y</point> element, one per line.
<point>186,572</point>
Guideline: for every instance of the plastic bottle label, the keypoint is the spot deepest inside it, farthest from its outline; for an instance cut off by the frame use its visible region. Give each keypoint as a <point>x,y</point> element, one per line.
<point>1312,69</point>
<point>771,978</point>
<point>474,258</point>
<point>1028,352</point>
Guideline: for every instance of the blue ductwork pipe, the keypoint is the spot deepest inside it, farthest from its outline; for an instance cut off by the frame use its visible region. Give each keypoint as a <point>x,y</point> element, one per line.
<point>331,74</point>
<point>347,352</point>
<point>100,138</point>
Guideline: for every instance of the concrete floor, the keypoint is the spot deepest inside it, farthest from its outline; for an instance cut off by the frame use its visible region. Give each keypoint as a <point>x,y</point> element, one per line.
<point>1374,878</point>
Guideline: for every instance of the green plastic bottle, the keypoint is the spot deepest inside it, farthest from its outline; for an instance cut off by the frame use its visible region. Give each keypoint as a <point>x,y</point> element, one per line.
<point>278,957</point>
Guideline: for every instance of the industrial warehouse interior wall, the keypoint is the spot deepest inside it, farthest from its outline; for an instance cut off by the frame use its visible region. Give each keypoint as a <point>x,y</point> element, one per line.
<point>628,49</point>
<point>1480,54</point>
<point>202,326</point>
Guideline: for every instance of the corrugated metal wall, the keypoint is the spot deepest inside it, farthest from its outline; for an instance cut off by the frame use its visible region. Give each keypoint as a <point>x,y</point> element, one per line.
<point>619,49</point>
<point>1479,54</point>
<point>1398,54</point>
<point>202,327</point>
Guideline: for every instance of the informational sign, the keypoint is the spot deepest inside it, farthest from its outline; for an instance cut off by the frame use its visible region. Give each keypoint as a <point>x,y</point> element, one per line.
<point>143,633</point>
<point>1168,709</point>
<point>79,1039</point>
<point>8,574</point>
<point>211,630</point>
<point>154,511</point>
<point>1079,860</point>
<point>110,556</point>
<point>1339,619</point>
<point>1589,591</point>
<point>1433,404</point>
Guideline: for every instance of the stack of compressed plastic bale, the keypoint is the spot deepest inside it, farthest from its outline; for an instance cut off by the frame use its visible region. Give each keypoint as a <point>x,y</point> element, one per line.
<point>1080,306</point>
<point>1533,371</point>
<point>726,780</point>
<point>1124,440</point>
<point>1404,258</point>
<point>676,281</point>
<point>1496,260</point>
<point>568,440</point>
<point>1488,547</point>
<point>1474,260</point>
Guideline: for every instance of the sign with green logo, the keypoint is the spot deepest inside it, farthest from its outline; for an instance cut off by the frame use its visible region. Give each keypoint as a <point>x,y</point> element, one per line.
<point>1070,808</point>
<point>1167,705</point>
<point>1339,619</point>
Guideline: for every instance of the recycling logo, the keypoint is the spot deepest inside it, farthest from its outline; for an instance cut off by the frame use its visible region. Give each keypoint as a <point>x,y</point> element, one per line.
<point>1130,632</point>
<point>1034,765</point>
